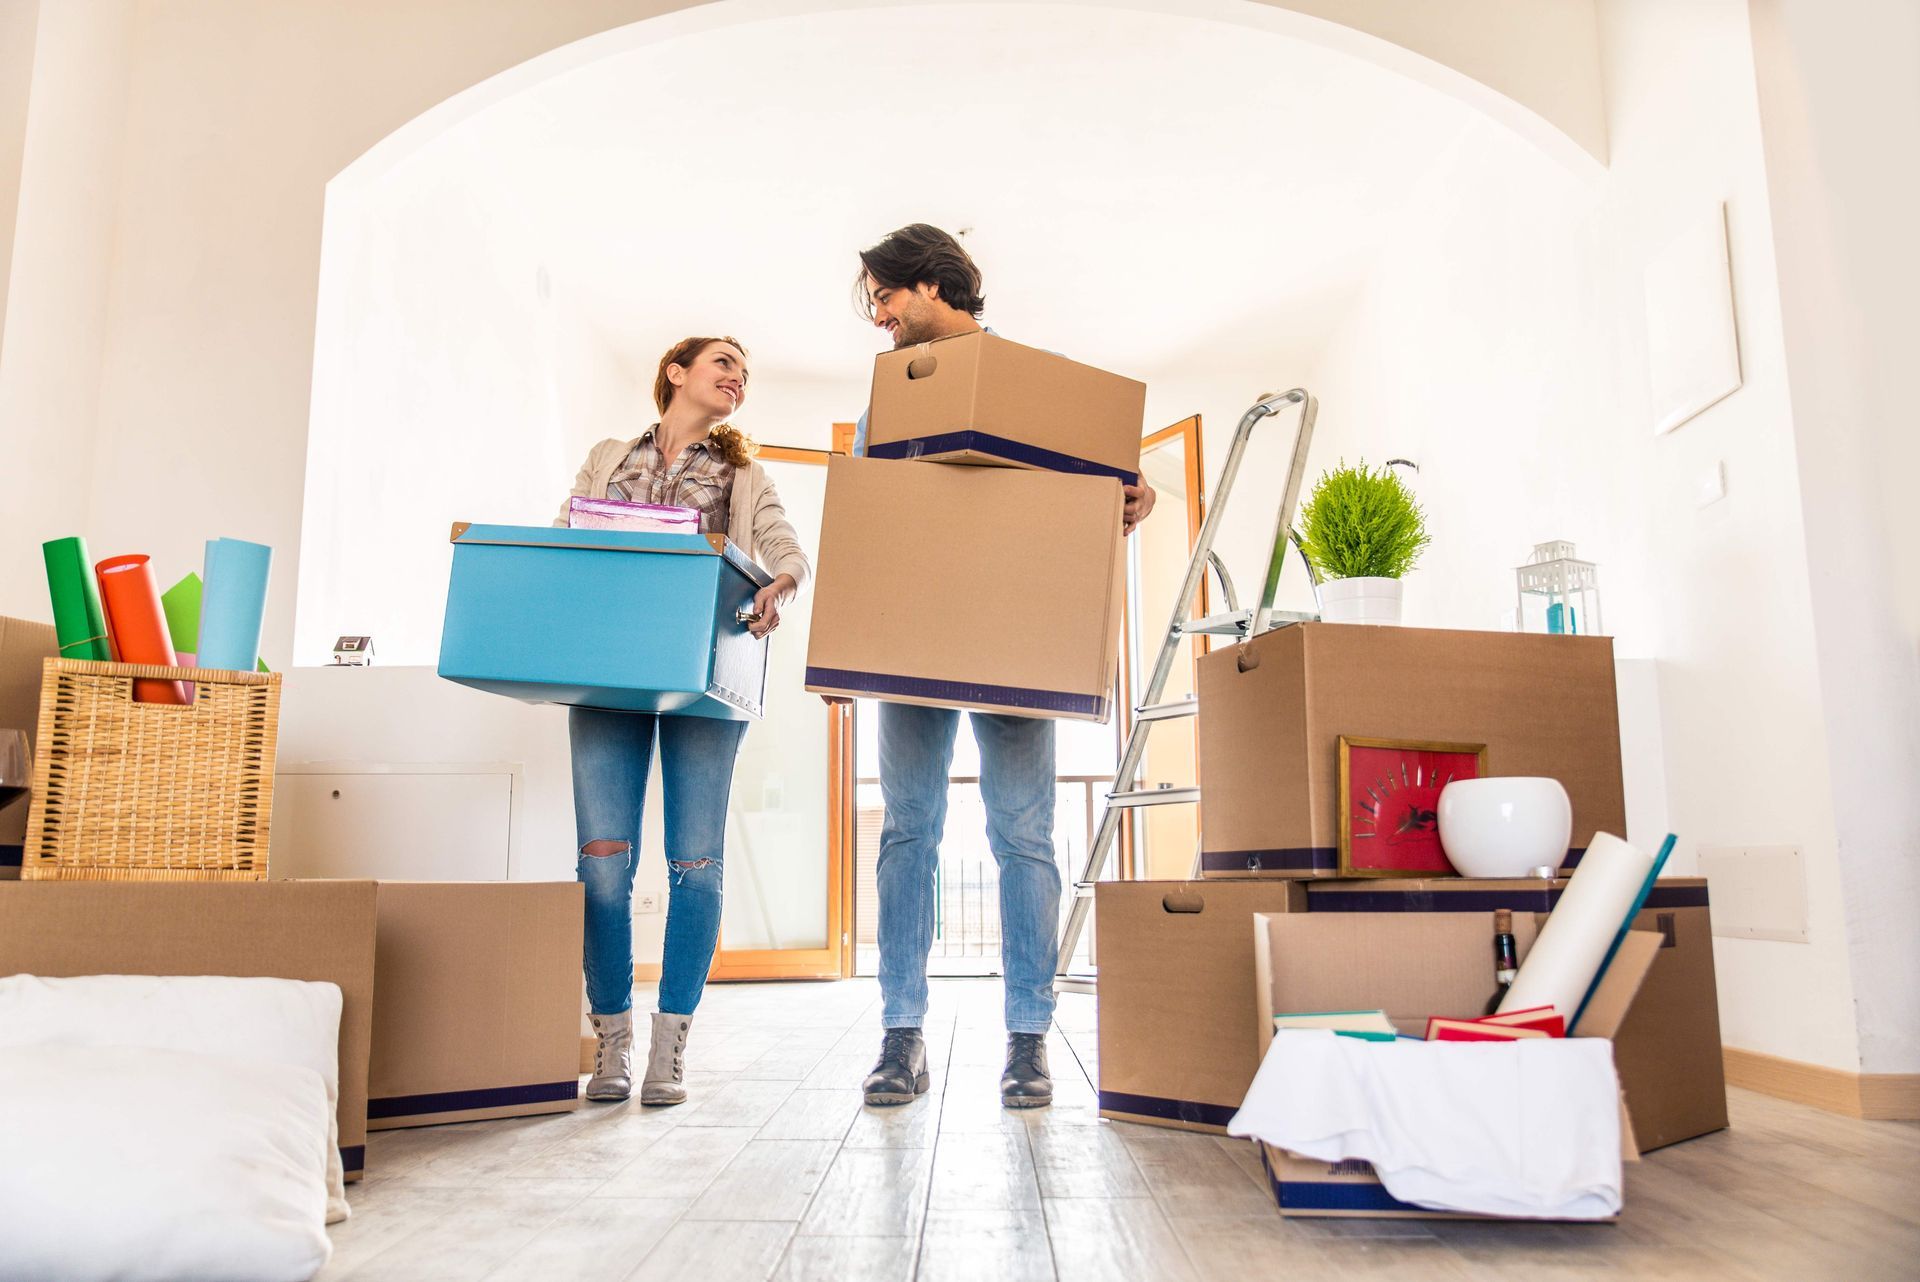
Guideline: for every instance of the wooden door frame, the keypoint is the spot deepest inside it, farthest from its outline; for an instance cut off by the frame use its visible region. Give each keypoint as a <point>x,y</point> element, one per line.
<point>1188,429</point>
<point>835,961</point>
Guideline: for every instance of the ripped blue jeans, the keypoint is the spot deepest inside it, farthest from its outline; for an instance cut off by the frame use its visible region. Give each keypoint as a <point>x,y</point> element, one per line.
<point>612,755</point>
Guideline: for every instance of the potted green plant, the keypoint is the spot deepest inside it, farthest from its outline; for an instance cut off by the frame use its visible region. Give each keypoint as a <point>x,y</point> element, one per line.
<point>1361,531</point>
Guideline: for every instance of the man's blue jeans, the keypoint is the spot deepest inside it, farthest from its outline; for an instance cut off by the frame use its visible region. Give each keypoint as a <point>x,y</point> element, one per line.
<point>1017,783</point>
<point>612,753</point>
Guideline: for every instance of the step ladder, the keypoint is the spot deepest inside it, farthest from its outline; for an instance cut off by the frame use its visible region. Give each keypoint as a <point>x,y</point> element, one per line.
<point>1234,622</point>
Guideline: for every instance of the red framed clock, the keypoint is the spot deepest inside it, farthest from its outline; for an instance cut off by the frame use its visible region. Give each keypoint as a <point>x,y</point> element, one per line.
<point>1389,800</point>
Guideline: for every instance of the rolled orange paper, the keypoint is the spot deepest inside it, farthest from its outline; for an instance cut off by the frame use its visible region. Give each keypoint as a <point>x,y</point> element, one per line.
<point>137,625</point>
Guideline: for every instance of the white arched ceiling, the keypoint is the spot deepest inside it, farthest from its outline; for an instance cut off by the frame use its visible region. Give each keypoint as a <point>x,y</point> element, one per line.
<point>1165,196</point>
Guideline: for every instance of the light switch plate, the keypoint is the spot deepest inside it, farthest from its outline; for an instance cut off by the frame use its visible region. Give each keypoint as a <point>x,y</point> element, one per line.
<point>1711,487</point>
<point>1756,892</point>
<point>645,902</point>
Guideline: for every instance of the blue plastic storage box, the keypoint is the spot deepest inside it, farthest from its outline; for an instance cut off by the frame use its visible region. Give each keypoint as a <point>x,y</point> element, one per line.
<point>605,619</point>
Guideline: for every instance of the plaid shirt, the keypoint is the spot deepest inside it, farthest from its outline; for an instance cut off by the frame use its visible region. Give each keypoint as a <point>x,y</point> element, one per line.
<point>701,478</point>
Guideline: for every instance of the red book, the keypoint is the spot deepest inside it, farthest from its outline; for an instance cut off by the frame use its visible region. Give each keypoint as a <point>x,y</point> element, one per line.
<point>1544,1018</point>
<point>1473,1030</point>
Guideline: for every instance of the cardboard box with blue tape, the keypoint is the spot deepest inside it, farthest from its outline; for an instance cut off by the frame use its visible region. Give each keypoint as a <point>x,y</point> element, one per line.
<point>968,587</point>
<point>978,398</point>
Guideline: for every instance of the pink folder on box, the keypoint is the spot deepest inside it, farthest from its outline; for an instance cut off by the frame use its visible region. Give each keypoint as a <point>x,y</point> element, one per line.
<point>612,514</point>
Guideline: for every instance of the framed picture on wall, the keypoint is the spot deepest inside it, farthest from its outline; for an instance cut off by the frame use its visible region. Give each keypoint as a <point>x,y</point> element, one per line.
<point>1390,801</point>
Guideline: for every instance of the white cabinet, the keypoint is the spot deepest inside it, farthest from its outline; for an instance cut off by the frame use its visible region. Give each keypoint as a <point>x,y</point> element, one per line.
<point>393,822</point>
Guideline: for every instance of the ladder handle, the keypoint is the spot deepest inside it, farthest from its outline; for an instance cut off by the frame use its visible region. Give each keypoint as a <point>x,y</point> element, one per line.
<point>1196,569</point>
<point>1231,597</point>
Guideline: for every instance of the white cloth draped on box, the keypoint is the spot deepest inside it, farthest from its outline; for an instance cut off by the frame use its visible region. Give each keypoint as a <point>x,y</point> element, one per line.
<point>1527,1129</point>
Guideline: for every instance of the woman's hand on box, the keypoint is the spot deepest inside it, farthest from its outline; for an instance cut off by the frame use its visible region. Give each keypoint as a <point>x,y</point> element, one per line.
<point>1139,502</point>
<point>766,604</point>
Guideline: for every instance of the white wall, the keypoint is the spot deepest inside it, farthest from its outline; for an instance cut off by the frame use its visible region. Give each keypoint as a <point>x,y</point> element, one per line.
<point>235,115</point>
<point>454,379</point>
<point>17,23</point>
<point>1501,346</point>
<point>59,284</point>
<point>1840,109</point>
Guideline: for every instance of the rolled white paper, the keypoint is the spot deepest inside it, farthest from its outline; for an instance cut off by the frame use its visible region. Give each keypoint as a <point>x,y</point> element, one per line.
<point>1567,954</point>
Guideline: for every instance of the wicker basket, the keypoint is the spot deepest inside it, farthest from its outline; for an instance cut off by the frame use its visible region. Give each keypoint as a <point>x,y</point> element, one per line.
<point>126,791</point>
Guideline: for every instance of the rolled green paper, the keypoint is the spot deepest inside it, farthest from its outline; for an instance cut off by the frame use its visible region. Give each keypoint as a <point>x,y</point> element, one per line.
<point>79,624</point>
<point>181,603</point>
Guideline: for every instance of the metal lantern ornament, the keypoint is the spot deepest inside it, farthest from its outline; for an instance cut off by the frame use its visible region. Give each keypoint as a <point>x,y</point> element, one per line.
<point>1558,592</point>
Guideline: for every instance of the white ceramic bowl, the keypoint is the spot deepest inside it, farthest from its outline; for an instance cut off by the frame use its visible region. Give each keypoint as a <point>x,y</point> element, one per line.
<point>1504,827</point>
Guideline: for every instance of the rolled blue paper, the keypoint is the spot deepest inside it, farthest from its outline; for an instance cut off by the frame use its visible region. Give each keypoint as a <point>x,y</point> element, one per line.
<point>233,602</point>
<point>1620,936</point>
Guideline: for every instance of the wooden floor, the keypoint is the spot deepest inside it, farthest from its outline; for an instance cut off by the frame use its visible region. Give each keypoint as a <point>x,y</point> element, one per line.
<point>775,1170</point>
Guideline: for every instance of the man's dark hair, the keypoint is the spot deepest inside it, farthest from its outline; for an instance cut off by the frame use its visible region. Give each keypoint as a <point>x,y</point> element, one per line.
<point>921,252</point>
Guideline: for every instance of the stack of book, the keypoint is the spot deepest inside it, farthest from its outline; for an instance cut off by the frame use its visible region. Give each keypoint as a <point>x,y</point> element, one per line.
<point>1539,1021</point>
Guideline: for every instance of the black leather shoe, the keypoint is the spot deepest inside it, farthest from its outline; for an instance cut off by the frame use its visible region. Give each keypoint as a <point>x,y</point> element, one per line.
<point>901,1075</point>
<point>1026,1083</point>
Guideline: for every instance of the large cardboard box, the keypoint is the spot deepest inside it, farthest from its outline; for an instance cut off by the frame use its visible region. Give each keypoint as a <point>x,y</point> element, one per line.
<point>1273,709</point>
<point>635,622</point>
<point>1412,965</point>
<point>1668,1048</point>
<point>478,1010</point>
<point>1176,985</point>
<point>23,646</point>
<point>977,398</point>
<point>968,587</point>
<point>313,930</point>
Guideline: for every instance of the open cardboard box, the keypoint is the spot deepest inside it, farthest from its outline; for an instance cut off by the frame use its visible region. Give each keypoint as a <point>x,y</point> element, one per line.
<point>1668,1049</point>
<point>1412,966</point>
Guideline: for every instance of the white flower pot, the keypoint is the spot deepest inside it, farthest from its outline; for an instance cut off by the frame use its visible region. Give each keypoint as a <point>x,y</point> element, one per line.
<point>1367,600</point>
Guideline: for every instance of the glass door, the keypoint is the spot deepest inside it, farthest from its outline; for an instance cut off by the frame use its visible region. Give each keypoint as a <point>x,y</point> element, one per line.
<point>787,825</point>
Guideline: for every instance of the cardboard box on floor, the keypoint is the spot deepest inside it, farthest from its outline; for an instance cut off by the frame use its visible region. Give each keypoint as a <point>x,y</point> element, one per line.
<point>1668,1048</point>
<point>968,587</point>
<point>23,646</point>
<point>978,398</point>
<point>1543,705</point>
<point>477,1013</point>
<point>312,930</point>
<point>1412,965</point>
<point>1176,983</point>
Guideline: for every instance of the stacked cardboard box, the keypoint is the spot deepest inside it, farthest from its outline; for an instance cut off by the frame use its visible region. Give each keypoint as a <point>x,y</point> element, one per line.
<point>1542,705</point>
<point>997,586</point>
<point>477,1011</point>
<point>1176,959</point>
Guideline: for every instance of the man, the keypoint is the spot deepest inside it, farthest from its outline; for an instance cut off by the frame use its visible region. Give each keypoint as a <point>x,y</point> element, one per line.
<point>918,284</point>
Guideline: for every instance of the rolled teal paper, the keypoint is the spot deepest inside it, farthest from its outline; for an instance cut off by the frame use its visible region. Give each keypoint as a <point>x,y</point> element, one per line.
<point>233,602</point>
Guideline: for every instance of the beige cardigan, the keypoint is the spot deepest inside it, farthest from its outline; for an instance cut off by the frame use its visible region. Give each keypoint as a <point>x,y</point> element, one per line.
<point>756,519</point>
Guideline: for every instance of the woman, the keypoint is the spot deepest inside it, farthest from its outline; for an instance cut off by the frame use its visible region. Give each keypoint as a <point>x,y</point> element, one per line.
<point>693,457</point>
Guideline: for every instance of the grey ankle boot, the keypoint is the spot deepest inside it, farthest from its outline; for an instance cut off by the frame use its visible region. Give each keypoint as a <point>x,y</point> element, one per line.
<point>612,1057</point>
<point>665,1070</point>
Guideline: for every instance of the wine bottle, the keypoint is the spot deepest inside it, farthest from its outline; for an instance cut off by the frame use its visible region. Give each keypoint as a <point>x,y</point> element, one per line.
<point>1506,962</point>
